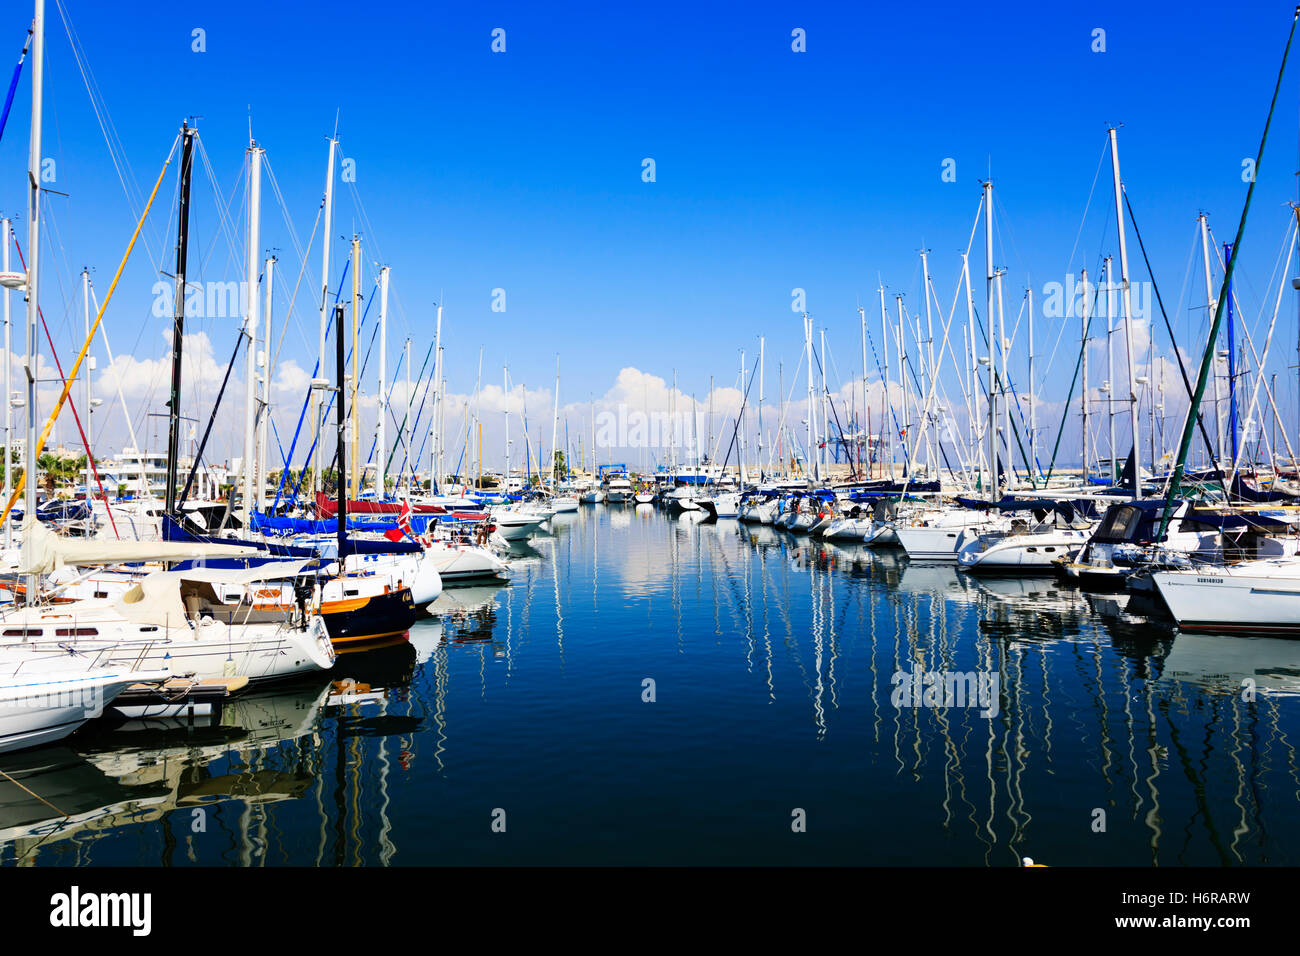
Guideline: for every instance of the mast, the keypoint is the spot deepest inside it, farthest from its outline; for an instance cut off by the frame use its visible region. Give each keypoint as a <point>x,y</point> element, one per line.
<point>1083,398</point>
<point>322,383</point>
<point>928,358</point>
<point>406,431</point>
<point>178,316</point>
<point>1110,369</point>
<point>825,421</point>
<point>264,422</point>
<point>884,383</point>
<point>972,364</point>
<point>864,446</point>
<point>555,424</point>
<point>355,379</point>
<point>1033,399</point>
<point>1232,363</point>
<point>761,356</point>
<point>1209,306</point>
<point>505,404</point>
<point>90,365</point>
<point>33,273</point>
<point>994,476</point>
<point>381,476</point>
<point>251,477</point>
<point>902,377</point>
<point>341,429</point>
<point>810,456</point>
<point>1003,362</point>
<point>740,458</point>
<point>7,226</point>
<point>1126,305</point>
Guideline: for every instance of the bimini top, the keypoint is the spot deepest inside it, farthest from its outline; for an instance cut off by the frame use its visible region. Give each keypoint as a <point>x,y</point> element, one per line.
<point>158,598</point>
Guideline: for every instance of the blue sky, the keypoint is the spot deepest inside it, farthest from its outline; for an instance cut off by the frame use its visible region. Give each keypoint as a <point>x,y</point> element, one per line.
<point>774,169</point>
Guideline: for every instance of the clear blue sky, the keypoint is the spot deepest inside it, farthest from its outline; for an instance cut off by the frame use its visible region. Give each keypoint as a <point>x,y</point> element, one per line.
<point>775,169</point>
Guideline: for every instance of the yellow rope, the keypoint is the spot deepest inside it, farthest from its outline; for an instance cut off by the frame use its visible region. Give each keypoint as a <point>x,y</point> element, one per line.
<point>72,374</point>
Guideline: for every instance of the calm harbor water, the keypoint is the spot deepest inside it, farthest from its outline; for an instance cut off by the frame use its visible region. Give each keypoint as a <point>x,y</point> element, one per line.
<point>774,661</point>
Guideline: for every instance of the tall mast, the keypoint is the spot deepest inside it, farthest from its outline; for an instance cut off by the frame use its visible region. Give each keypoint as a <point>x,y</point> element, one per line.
<point>902,378</point>
<point>972,364</point>
<point>1233,430</point>
<point>825,421</point>
<point>1033,398</point>
<point>740,424</point>
<point>1209,306</point>
<point>439,394</point>
<point>928,358</point>
<point>33,273</point>
<point>85,314</point>
<point>555,425</point>
<point>811,454</point>
<point>178,316</point>
<point>251,477</point>
<point>884,383</point>
<point>341,428</point>
<point>994,476</point>
<point>864,445</point>
<point>1126,305</point>
<point>322,382</point>
<point>762,346</point>
<point>505,404</point>
<point>7,226</point>
<point>1110,366</point>
<point>264,422</point>
<point>405,433</point>
<point>355,378</point>
<point>1003,364</point>
<point>381,466</point>
<point>1083,398</point>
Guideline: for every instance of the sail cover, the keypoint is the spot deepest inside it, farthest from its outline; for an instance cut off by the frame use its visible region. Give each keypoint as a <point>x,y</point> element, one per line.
<point>43,551</point>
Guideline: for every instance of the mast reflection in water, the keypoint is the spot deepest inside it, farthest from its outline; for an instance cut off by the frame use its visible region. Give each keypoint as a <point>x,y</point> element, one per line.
<point>659,690</point>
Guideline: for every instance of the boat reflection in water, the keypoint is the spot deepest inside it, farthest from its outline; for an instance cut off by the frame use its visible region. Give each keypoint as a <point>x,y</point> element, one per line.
<point>663,678</point>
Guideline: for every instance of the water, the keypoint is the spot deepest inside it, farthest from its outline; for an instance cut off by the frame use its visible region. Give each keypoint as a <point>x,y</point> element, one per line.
<point>773,661</point>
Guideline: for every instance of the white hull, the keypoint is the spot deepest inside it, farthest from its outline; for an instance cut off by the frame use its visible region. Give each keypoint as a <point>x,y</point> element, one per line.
<point>1255,596</point>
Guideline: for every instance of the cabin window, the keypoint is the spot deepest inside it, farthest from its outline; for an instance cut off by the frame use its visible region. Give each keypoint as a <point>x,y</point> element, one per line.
<point>350,593</point>
<point>1031,550</point>
<point>101,594</point>
<point>76,632</point>
<point>1049,550</point>
<point>23,632</point>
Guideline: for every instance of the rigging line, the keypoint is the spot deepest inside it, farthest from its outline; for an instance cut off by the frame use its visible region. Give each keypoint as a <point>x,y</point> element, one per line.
<point>284,326</point>
<point>116,151</point>
<point>212,417</point>
<point>1259,378</point>
<point>121,398</point>
<point>1074,379</point>
<point>13,83</point>
<point>1155,286</point>
<point>90,457</point>
<point>1069,263</point>
<point>223,213</point>
<point>76,365</point>
<point>284,207</point>
<point>1193,410</point>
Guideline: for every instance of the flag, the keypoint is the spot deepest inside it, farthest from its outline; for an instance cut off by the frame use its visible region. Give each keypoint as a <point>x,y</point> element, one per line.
<point>404,518</point>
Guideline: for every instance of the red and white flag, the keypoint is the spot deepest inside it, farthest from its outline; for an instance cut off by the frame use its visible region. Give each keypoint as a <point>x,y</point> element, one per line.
<point>404,517</point>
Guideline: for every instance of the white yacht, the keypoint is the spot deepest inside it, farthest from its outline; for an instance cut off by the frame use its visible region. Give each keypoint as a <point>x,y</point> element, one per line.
<point>48,690</point>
